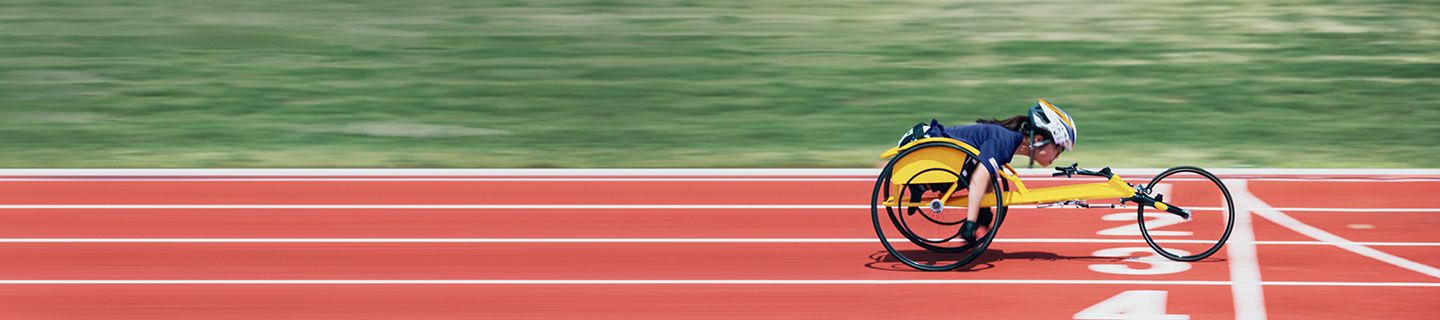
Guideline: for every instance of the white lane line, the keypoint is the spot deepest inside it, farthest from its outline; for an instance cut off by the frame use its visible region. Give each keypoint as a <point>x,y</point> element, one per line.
<point>276,172</point>
<point>570,179</point>
<point>727,282</point>
<point>609,179</point>
<point>505,179</point>
<point>542,282</point>
<point>627,240</point>
<point>428,206</point>
<point>1368,210</point>
<point>584,206</point>
<point>1311,243</point>
<point>1279,217</point>
<point>1246,290</point>
<point>1344,179</point>
<point>1352,284</point>
<point>791,172</point>
<point>1328,243</point>
<point>432,240</point>
<point>184,179</point>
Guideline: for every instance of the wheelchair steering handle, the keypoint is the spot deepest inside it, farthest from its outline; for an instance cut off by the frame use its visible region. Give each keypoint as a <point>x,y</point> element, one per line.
<point>1073,170</point>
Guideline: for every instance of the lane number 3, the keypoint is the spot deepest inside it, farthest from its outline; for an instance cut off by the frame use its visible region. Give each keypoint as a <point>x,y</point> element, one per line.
<point>1158,264</point>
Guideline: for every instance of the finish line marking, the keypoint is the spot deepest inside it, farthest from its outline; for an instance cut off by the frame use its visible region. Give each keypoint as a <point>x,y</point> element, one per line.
<point>1278,216</point>
<point>1247,290</point>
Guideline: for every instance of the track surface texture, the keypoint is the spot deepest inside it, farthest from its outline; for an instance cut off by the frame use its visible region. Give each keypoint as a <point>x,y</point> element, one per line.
<point>666,244</point>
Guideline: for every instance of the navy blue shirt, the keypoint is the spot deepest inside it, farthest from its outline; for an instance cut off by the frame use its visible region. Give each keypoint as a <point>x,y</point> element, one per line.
<point>996,144</point>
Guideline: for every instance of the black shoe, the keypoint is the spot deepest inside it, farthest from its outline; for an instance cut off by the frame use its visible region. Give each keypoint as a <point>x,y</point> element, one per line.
<point>986,216</point>
<point>967,230</point>
<point>917,192</point>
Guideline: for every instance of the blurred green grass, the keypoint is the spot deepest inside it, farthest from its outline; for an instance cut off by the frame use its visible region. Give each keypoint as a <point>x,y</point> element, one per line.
<point>655,83</point>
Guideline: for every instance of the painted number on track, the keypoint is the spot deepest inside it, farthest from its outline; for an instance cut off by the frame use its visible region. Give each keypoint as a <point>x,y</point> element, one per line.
<point>1158,264</point>
<point>1159,220</point>
<point>1131,305</point>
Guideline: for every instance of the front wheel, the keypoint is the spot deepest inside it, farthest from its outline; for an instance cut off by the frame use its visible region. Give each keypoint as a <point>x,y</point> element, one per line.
<point>1212,214</point>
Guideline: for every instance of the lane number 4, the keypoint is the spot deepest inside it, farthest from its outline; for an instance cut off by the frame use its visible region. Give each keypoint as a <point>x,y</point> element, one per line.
<point>1131,305</point>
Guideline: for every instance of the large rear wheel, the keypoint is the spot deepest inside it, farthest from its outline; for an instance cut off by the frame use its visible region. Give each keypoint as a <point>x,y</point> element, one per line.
<point>932,240</point>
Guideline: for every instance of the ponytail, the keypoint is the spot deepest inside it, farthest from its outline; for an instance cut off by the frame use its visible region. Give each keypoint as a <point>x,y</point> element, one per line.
<point>1020,123</point>
<point>1016,123</point>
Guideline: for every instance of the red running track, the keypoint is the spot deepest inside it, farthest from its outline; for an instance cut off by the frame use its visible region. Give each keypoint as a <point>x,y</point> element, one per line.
<point>764,248</point>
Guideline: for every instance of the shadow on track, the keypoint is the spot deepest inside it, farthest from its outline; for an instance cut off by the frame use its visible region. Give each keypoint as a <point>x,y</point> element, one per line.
<point>882,260</point>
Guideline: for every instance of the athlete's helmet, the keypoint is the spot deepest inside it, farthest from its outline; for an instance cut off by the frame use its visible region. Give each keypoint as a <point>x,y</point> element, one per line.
<point>1047,118</point>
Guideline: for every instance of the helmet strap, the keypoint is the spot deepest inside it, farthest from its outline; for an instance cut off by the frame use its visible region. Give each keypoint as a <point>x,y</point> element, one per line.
<point>1034,145</point>
<point>1032,158</point>
<point>1032,148</point>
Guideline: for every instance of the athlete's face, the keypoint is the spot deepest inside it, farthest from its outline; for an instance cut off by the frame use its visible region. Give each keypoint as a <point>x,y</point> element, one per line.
<point>1047,153</point>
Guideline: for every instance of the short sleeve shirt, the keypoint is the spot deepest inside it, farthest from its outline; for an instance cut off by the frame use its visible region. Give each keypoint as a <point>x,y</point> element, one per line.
<point>996,144</point>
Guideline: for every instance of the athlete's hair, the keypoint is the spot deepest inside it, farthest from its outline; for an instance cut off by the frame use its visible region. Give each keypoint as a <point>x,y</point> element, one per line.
<point>1018,123</point>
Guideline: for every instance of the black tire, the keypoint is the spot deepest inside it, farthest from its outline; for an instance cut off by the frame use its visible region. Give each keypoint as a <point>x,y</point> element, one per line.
<point>1212,214</point>
<point>950,245</point>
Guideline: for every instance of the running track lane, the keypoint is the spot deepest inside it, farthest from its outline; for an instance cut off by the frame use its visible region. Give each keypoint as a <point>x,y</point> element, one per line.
<point>604,301</point>
<point>1024,261</point>
<point>522,261</point>
<point>331,192</point>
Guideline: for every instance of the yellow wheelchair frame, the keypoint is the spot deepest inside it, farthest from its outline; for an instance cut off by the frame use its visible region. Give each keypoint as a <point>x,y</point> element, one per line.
<point>935,162</point>
<point>920,165</point>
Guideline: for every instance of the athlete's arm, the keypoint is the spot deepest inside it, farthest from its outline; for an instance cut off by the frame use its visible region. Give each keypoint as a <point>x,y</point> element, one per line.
<point>978,184</point>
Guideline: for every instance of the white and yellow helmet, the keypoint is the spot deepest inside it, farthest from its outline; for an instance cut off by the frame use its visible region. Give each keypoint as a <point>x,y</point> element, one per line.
<point>1047,118</point>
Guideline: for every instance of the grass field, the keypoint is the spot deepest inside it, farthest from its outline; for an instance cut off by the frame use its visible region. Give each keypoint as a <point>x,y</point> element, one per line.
<point>684,83</point>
